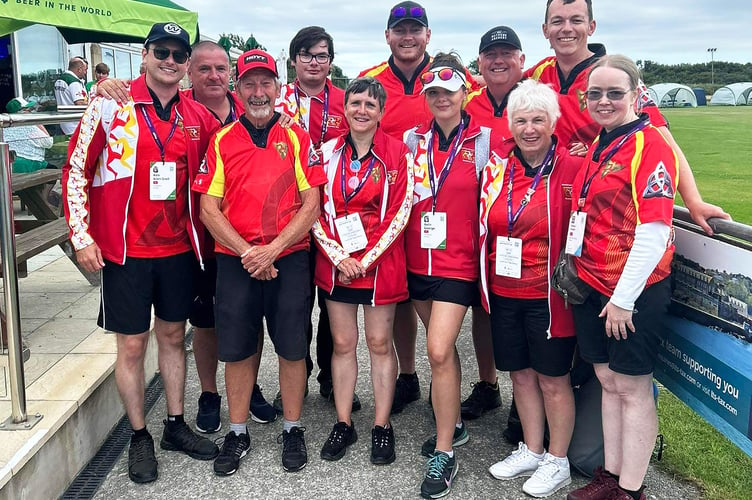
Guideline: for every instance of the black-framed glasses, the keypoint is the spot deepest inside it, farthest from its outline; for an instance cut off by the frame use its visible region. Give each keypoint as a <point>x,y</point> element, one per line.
<point>162,53</point>
<point>611,95</point>
<point>306,57</point>
<point>400,12</point>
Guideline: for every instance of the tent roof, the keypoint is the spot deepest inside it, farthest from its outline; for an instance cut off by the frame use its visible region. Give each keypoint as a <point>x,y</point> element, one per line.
<point>99,20</point>
<point>660,90</point>
<point>733,94</point>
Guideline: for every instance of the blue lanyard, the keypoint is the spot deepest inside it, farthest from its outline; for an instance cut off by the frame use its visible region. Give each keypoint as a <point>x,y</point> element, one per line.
<point>588,180</point>
<point>362,182</point>
<point>512,220</point>
<point>324,112</point>
<point>154,134</point>
<point>447,164</point>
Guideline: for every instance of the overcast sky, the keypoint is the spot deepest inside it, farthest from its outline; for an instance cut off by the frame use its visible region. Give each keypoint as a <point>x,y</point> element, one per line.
<point>663,31</point>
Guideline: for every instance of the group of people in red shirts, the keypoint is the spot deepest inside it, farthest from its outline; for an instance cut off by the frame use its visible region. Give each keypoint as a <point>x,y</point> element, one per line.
<point>415,193</point>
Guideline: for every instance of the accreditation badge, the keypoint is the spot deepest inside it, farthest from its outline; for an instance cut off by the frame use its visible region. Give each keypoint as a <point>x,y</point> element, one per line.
<point>433,230</point>
<point>575,233</point>
<point>162,180</point>
<point>508,257</point>
<point>351,232</point>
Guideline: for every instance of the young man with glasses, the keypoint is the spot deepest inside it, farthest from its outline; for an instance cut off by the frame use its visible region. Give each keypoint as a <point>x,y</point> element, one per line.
<point>131,213</point>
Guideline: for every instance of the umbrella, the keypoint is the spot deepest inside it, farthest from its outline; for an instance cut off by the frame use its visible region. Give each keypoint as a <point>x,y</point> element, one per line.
<point>96,20</point>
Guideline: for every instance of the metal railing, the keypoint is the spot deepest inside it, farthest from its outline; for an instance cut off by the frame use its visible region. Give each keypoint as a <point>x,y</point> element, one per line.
<point>16,377</point>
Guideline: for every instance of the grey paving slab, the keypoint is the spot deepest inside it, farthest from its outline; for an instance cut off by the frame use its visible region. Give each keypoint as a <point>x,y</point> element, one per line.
<point>261,476</point>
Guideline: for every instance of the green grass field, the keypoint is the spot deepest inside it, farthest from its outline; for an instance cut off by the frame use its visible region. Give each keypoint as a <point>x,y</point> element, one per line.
<point>716,143</point>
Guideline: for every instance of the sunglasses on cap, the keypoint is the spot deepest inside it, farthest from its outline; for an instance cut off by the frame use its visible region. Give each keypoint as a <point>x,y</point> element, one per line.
<point>444,74</point>
<point>401,12</point>
<point>611,95</point>
<point>162,53</point>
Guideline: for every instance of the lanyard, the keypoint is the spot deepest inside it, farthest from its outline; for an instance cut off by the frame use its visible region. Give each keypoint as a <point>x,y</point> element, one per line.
<point>154,134</point>
<point>447,164</point>
<point>362,182</point>
<point>512,220</point>
<point>324,112</point>
<point>588,180</point>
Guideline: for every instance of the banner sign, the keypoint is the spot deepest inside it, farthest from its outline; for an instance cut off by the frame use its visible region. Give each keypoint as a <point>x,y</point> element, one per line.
<point>705,356</point>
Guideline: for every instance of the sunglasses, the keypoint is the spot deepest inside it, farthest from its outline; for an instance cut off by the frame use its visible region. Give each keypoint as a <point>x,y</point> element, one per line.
<point>400,12</point>
<point>162,53</point>
<point>611,95</point>
<point>444,75</point>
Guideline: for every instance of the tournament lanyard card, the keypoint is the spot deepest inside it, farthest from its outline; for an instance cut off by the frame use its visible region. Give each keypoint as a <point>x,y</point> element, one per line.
<point>351,232</point>
<point>509,257</point>
<point>575,233</point>
<point>433,230</point>
<point>162,180</point>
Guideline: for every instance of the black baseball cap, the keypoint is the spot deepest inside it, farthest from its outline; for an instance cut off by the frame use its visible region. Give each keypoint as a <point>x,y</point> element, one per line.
<point>169,31</point>
<point>407,11</point>
<point>498,36</point>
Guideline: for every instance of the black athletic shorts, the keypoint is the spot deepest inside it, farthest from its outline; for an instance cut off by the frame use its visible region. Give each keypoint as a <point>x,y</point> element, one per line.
<point>636,354</point>
<point>204,289</point>
<point>464,293</point>
<point>348,295</point>
<point>128,292</point>
<point>242,302</point>
<point>519,329</point>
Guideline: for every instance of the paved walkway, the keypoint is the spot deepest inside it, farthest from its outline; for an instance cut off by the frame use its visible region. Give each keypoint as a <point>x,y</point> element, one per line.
<point>261,475</point>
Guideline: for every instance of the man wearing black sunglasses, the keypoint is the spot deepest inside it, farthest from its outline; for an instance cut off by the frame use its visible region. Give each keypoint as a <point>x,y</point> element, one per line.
<point>131,213</point>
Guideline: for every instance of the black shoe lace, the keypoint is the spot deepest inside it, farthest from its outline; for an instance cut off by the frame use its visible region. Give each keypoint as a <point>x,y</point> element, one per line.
<point>381,437</point>
<point>337,436</point>
<point>292,441</point>
<point>182,434</point>
<point>232,445</point>
<point>141,450</point>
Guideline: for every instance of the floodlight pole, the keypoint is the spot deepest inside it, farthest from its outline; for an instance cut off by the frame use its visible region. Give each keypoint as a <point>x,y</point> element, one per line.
<point>712,68</point>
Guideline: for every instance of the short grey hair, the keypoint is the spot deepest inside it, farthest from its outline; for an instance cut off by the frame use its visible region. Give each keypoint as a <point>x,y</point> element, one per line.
<point>367,84</point>
<point>531,95</point>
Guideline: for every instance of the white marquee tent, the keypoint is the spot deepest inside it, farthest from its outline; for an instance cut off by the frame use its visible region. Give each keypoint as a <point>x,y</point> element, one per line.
<point>672,95</point>
<point>736,94</point>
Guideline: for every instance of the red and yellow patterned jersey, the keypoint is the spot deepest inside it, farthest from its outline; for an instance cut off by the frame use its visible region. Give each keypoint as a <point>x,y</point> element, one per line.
<point>158,228</point>
<point>575,123</point>
<point>310,112</point>
<point>636,186</point>
<point>478,105</point>
<point>405,105</point>
<point>260,187</point>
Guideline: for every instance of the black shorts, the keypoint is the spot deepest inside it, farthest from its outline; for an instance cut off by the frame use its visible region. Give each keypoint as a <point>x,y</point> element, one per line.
<point>636,354</point>
<point>128,292</point>
<point>242,302</point>
<point>204,290</point>
<point>347,295</point>
<point>464,293</point>
<point>519,329</point>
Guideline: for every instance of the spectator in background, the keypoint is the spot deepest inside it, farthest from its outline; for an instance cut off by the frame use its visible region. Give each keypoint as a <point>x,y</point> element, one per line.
<point>70,89</point>
<point>29,142</point>
<point>101,72</point>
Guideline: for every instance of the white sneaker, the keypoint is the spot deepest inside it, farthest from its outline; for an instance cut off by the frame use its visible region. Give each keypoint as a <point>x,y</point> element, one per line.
<point>521,462</point>
<point>551,475</point>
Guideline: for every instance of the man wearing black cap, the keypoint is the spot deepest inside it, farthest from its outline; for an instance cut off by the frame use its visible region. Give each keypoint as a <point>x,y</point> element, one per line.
<point>130,210</point>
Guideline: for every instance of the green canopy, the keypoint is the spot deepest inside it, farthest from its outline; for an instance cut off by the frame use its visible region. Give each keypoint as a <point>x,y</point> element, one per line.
<point>96,20</point>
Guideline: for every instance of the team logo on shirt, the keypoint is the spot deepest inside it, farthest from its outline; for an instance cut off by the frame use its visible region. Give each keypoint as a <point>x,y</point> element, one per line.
<point>391,177</point>
<point>334,121</point>
<point>376,174</point>
<point>660,184</point>
<point>610,168</point>
<point>582,99</point>
<point>468,155</point>
<point>281,148</point>
<point>567,189</point>
<point>194,133</point>
<point>203,168</point>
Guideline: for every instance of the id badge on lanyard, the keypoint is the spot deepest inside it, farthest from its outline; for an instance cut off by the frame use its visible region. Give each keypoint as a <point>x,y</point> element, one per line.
<point>575,233</point>
<point>509,257</point>
<point>433,230</point>
<point>162,180</point>
<point>351,232</point>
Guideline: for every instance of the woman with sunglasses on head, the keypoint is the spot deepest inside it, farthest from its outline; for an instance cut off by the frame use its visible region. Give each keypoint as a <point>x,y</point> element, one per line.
<point>525,202</point>
<point>442,249</point>
<point>620,233</point>
<point>365,208</point>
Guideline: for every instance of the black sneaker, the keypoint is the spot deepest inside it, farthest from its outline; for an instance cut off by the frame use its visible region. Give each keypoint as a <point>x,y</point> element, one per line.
<point>177,436</point>
<point>294,453</point>
<point>261,411</point>
<point>459,438</point>
<point>340,438</point>
<point>207,418</point>
<point>142,464</point>
<point>440,471</point>
<point>485,397</point>
<point>406,390</point>
<point>382,445</point>
<point>233,449</point>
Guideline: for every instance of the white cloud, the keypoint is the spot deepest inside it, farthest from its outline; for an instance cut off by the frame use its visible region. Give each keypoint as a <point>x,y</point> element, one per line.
<point>666,32</point>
